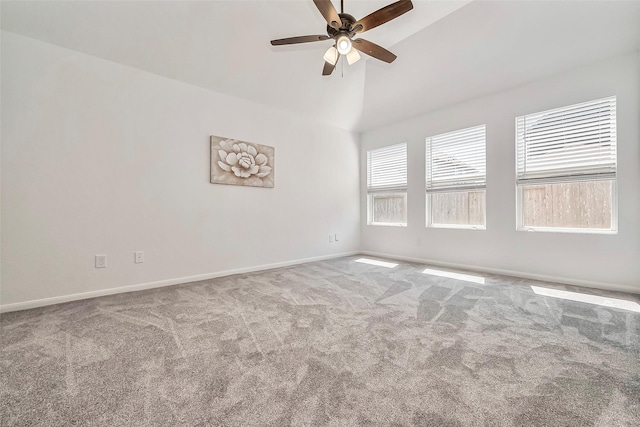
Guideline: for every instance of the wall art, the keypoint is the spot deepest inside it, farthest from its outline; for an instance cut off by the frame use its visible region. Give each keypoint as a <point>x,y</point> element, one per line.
<point>236,162</point>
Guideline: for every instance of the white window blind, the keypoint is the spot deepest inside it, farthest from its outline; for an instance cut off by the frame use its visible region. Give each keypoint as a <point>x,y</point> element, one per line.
<point>575,142</point>
<point>457,160</point>
<point>387,169</point>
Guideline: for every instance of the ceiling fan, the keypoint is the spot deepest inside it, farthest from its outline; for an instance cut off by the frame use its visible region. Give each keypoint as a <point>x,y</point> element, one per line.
<point>342,28</point>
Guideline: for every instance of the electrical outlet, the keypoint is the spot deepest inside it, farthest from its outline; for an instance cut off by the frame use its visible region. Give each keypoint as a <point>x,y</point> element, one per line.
<point>336,237</point>
<point>101,261</point>
<point>138,257</point>
<point>330,237</point>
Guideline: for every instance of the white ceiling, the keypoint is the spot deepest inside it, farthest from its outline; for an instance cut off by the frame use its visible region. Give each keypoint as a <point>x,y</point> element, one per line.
<point>448,51</point>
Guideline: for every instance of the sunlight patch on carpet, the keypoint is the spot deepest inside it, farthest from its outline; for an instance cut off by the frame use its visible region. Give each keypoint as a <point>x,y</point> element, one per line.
<point>457,276</point>
<point>377,262</point>
<point>588,298</point>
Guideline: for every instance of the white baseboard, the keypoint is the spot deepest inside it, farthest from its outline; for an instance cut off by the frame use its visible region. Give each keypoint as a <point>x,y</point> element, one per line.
<point>161,283</point>
<point>519,274</point>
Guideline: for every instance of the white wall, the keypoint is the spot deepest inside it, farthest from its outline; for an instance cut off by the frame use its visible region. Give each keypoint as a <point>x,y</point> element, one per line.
<point>601,260</point>
<point>102,158</point>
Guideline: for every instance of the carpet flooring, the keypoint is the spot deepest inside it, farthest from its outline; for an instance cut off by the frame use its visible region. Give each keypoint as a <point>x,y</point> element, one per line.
<point>331,343</point>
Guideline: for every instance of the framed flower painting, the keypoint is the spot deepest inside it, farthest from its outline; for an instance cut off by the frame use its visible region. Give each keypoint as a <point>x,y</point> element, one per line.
<point>236,162</point>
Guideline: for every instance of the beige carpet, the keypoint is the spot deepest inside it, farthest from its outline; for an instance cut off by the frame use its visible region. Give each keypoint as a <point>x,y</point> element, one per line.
<point>334,343</point>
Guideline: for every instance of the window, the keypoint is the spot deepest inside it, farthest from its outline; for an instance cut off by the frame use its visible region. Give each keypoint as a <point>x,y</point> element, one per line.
<point>566,168</point>
<point>387,185</point>
<point>456,179</point>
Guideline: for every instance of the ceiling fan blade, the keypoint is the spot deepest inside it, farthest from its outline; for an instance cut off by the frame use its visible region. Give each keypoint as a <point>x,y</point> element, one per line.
<point>381,16</point>
<point>372,49</point>
<point>299,39</point>
<point>329,12</point>
<point>328,69</point>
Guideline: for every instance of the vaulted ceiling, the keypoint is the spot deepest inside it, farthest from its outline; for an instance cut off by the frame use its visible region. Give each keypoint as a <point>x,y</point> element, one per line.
<point>448,51</point>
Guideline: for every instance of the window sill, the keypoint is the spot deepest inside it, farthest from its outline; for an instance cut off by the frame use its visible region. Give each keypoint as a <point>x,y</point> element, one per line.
<point>387,224</point>
<point>567,230</point>
<point>458,226</point>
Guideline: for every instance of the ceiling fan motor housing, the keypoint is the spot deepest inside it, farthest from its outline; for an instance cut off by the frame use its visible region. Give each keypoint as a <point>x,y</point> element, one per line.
<point>347,22</point>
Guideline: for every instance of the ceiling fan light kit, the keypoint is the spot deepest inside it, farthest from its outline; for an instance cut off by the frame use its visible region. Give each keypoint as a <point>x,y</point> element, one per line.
<point>331,55</point>
<point>342,28</point>
<point>353,56</point>
<point>344,45</point>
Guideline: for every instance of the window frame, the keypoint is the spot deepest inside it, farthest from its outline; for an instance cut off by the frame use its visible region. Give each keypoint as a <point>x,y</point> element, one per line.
<point>429,215</point>
<point>371,193</point>
<point>571,230</point>
<point>370,197</point>
<point>554,179</point>
<point>454,188</point>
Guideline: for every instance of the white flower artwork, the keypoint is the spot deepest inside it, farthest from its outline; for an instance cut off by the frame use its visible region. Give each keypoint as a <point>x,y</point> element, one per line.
<point>236,162</point>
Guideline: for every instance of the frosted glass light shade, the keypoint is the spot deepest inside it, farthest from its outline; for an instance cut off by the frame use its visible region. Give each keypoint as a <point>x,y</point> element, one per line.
<point>344,45</point>
<point>331,55</point>
<point>352,56</point>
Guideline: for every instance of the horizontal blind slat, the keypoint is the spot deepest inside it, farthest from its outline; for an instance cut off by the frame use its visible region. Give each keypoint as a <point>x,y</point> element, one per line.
<point>456,160</point>
<point>387,168</point>
<point>575,140</point>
